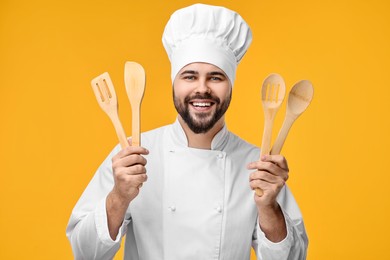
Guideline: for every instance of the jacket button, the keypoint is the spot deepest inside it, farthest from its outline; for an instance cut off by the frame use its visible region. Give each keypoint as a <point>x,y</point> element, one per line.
<point>218,209</point>
<point>220,156</point>
<point>172,208</point>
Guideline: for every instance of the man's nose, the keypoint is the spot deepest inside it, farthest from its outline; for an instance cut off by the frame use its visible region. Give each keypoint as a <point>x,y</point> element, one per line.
<point>202,86</point>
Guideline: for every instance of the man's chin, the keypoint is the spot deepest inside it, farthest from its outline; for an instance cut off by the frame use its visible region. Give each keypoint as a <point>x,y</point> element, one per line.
<point>199,126</point>
<point>202,119</point>
<point>200,122</point>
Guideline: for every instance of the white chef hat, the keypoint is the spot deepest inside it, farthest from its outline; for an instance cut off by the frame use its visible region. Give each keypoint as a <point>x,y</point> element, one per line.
<point>205,33</point>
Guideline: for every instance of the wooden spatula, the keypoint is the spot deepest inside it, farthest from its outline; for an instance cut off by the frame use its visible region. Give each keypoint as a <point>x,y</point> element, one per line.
<point>272,95</point>
<point>135,88</point>
<point>106,97</point>
<point>299,99</point>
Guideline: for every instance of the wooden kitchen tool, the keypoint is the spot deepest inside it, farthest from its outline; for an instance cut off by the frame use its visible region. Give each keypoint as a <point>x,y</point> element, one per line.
<point>299,99</point>
<point>105,95</point>
<point>272,95</point>
<point>135,88</point>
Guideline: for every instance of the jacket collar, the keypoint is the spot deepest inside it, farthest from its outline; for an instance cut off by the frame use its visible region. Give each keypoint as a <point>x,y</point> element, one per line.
<point>180,139</point>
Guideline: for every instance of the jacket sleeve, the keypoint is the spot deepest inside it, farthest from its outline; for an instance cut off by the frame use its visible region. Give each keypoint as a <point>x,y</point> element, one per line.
<point>294,246</point>
<point>87,229</point>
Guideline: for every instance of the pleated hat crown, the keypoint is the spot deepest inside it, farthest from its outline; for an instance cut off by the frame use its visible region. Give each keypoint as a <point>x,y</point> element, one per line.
<point>205,33</point>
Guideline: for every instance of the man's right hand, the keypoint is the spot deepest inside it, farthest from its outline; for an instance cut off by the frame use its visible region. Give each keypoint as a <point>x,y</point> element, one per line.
<point>129,175</point>
<point>129,172</point>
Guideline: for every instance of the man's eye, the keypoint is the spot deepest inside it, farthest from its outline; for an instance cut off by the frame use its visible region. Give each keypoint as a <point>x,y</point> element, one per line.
<point>215,79</point>
<point>189,77</point>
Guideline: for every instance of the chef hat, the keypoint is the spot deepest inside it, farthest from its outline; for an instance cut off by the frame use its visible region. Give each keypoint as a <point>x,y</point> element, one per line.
<point>205,33</point>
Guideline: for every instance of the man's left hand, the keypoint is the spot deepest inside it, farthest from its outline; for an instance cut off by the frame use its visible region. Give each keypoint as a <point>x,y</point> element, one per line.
<point>270,176</point>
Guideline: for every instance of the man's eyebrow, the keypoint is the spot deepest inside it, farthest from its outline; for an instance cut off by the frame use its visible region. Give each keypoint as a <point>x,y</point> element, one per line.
<point>193,72</point>
<point>215,73</point>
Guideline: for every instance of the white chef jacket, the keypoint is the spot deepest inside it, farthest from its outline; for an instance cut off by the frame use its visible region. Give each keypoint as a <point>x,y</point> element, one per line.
<point>197,204</point>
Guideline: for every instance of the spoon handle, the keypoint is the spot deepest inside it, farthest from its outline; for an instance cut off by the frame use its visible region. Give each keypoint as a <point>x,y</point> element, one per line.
<point>282,135</point>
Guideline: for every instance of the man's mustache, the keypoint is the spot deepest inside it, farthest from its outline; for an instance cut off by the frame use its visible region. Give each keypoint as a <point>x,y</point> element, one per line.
<point>203,96</point>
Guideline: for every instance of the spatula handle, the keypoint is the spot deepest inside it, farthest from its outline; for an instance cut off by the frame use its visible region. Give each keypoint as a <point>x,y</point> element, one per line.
<point>120,132</point>
<point>267,135</point>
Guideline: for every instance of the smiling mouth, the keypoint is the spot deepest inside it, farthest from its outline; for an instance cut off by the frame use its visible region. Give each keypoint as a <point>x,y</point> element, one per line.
<point>201,104</point>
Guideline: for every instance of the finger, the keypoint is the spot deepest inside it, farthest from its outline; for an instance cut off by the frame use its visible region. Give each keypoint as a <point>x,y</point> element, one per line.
<point>254,165</point>
<point>139,179</point>
<point>128,161</point>
<point>130,150</point>
<point>279,160</point>
<point>260,184</point>
<point>276,164</point>
<point>265,176</point>
<point>264,166</point>
<point>132,159</point>
<point>132,180</point>
<point>137,169</point>
<point>274,170</point>
<point>255,184</point>
<point>267,187</point>
<point>133,150</point>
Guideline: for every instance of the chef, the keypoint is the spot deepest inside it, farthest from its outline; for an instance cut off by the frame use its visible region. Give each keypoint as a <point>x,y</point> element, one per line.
<point>188,192</point>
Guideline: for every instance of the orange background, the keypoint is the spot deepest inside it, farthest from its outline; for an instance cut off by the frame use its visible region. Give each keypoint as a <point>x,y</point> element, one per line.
<point>53,134</point>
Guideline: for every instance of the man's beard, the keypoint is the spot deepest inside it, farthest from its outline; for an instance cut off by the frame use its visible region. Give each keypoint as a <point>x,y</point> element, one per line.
<point>201,122</point>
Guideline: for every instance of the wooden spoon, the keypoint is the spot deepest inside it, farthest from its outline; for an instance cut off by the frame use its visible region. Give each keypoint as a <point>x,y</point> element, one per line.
<point>299,99</point>
<point>272,95</point>
<point>135,88</point>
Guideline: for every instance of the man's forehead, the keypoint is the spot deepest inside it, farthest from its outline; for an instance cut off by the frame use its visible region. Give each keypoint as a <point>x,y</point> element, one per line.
<point>201,67</point>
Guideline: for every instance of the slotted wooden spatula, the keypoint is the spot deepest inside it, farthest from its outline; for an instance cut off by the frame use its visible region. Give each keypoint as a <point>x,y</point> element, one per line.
<point>272,95</point>
<point>135,88</point>
<point>106,97</point>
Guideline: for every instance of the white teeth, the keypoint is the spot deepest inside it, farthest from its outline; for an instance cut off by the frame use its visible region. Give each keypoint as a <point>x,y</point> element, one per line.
<point>198,104</point>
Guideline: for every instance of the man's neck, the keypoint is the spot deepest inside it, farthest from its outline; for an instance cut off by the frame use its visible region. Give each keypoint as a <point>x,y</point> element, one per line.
<point>201,141</point>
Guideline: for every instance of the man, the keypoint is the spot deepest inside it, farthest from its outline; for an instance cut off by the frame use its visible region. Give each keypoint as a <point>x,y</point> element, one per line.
<point>188,193</point>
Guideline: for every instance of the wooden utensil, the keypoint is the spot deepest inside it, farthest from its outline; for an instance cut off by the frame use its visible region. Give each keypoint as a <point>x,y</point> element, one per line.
<point>299,99</point>
<point>272,95</point>
<point>105,95</point>
<point>135,88</point>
